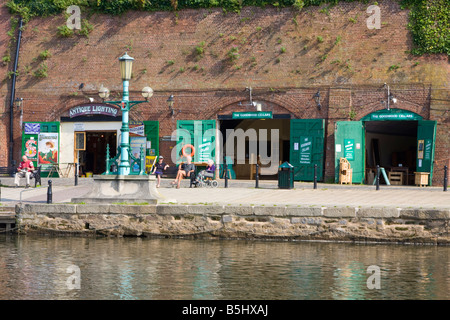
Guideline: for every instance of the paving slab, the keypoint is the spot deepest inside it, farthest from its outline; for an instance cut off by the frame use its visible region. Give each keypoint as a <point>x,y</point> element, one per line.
<point>241,192</point>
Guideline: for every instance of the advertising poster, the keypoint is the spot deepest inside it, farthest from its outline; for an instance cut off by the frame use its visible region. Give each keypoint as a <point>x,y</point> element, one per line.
<point>135,144</point>
<point>30,151</point>
<point>47,150</point>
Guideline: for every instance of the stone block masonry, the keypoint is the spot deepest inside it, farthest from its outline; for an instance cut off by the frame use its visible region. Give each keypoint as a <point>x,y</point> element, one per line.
<point>417,226</point>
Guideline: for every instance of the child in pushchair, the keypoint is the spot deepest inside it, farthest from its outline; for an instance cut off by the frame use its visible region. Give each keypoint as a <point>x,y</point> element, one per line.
<point>206,177</point>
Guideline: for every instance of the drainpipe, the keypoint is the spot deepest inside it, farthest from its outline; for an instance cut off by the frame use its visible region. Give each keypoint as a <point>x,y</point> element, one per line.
<point>11,102</point>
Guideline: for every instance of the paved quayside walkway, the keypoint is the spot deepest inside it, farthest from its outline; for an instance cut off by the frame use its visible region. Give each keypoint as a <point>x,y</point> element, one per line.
<point>244,193</point>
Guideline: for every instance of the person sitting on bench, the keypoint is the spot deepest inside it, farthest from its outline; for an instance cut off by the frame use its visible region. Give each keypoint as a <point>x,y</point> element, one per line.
<point>184,170</point>
<point>209,171</point>
<point>25,169</point>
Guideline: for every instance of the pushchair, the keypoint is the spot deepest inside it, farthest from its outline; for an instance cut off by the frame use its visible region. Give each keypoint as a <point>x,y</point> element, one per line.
<point>205,179</point>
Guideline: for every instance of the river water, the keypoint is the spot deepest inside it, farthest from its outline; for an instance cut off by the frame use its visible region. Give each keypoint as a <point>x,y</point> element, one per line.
<point>33,267</point>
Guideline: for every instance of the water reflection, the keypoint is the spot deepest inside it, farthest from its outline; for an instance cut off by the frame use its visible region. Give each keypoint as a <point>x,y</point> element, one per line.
<point>135,268</point>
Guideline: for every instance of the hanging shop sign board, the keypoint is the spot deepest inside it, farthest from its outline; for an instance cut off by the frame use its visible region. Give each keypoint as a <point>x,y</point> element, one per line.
<point>253,115</point>
<point>305,150</point>
<point>349,149</point>
<point>90,108</point>
<point>392,115</point>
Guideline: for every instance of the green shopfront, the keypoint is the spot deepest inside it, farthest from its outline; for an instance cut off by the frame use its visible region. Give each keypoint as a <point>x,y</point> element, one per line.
<point>396,140</point>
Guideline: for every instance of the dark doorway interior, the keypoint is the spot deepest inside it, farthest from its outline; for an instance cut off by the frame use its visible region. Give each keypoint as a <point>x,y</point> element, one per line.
<point>93,159</point>
<point>268,170</point>
<point>392,145</point>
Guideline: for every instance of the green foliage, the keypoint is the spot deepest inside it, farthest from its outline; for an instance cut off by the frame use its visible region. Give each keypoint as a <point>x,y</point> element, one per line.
<point>44,55</point>
<point>6,59</point>
<point>41,72</point>
<point>233,54</point>
<point>64,31</point>
<point>86,28</point>
<point>429,23</point>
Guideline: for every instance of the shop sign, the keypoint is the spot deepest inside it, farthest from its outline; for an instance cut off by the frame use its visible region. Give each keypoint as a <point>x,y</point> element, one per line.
<point>349,149</point>
<point>305,150</point>
<point>253,115</point>
<point>137,131</point>
<point>392,114</point>
<point>88,109</point>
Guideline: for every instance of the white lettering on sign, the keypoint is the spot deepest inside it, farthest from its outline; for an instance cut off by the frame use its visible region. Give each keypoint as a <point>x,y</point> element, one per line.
<point>92,109</point>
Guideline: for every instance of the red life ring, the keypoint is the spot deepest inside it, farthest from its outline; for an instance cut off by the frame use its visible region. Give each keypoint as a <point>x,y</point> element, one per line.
<point>183,150</point>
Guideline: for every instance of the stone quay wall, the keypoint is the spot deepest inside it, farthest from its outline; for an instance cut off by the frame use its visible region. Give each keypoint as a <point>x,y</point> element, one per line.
<point>395,225</point>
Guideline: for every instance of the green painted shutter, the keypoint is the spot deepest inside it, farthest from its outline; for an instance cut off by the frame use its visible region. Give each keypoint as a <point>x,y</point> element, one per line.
<point>426,137</point>
<point>349,144</point>
<point>307,148</point>
<point>202,137</point>
<point>151,131</point>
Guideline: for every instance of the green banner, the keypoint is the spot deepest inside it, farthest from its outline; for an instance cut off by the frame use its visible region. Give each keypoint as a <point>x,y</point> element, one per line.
<point>305,150</point>
<point>349,149</point>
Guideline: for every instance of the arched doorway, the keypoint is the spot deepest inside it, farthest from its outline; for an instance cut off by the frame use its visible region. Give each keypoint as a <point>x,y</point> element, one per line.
<point>397,140</point>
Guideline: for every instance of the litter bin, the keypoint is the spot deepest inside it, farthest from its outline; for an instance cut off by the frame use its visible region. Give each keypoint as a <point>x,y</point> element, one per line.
<point>286,176</point>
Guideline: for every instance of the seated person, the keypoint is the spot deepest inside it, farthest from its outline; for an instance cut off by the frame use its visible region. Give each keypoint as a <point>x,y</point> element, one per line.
<point>184,170</point>
<point>209,171</point>
<point>25,169</point>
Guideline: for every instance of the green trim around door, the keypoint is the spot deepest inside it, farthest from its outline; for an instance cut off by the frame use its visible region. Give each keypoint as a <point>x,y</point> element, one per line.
<point>307,148</point>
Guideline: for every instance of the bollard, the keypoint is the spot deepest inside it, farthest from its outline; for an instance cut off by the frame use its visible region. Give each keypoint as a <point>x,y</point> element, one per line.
<point>76,174</point>
<point>315,176</point>
<point>378,177</point>
<point>226,171</point>
<point>257,176</point>
<point>445,177</point>
<point>49,192</point>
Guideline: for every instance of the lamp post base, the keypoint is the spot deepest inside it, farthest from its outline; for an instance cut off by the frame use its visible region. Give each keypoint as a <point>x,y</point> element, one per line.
<point>122,189</point>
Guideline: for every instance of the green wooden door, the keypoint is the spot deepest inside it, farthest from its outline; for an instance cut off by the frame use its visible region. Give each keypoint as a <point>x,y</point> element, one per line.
<point>426,137</point>
<point>349,143</point>
<point>151,131</point>
<point>200,134</point>
<point>307,148</point>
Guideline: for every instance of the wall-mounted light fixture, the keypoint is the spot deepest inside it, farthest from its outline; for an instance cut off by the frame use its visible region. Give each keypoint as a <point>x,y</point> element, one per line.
<point>19,103</point>
<point>390,98</point>
<point>316,98</point>
<point>170,102</point>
